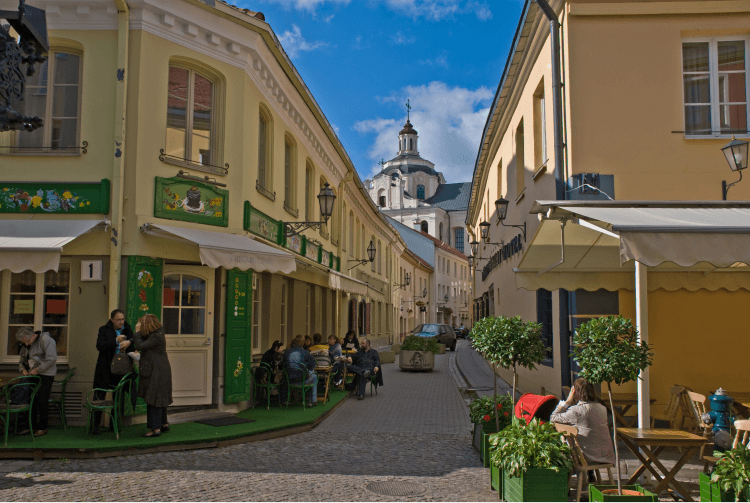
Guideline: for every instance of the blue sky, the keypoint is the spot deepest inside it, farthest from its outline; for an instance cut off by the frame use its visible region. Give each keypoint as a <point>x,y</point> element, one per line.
<point>362,59</point>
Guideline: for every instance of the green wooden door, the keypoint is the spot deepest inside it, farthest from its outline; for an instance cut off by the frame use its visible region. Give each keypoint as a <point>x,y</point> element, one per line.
<point>238,354</point>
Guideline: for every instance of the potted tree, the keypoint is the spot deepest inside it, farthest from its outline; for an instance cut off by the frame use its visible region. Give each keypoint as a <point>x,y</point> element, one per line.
<point>608,351</point>
<point>418,353</point>
<point>487,413</point>
<point>534,460</point>
<point>730,480</point>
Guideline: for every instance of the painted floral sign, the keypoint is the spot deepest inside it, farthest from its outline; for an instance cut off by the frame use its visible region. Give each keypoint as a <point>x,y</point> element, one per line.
<point>46,197</point>
<point>193,201</point>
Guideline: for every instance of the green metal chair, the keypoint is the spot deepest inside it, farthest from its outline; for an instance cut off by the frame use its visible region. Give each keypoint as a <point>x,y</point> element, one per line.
<point>373,382</point>
<point>59,403</point>
<point>7,408</point>
<point>109,407</point>
<point>268,386</point>
<point>301,385</point>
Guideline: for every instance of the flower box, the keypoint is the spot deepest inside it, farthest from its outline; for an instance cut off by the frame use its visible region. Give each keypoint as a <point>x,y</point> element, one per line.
<point>596,494</point>
<point>487,429</point>
<point>416,360</point>
<point>711,491</point>
<point>496,478</point>
<point>536,484</point>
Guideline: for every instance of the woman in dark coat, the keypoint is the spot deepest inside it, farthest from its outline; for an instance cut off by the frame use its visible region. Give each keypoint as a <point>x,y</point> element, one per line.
<point>155,384</point>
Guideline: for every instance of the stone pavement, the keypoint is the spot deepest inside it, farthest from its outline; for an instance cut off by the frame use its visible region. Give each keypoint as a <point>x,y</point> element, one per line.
<point>413,439</point>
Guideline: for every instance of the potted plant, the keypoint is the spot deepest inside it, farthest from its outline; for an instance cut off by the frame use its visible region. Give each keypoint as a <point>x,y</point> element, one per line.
<point>510,343</point>
<point>608,350</point>
<point>534,460</point>
<point>486,413</point>
<point>418,353</point>
<point>730,480</point>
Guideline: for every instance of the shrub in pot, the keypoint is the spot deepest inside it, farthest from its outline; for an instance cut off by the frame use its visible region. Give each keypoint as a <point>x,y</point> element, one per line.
<point>534,460</point>
<point>487,413</point>
<point>731,475</point>
<point>418,353</point>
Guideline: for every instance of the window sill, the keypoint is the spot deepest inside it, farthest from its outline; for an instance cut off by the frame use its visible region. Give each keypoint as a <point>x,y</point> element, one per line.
<point>723,137</point>
<point>521,195</point>
<point>291,211</point>
<point>265,192</point>
<point>324,235</point>
<point>334,241</point>
<point>40,153</point>
<point>194,166</point>
<point>539,172</point>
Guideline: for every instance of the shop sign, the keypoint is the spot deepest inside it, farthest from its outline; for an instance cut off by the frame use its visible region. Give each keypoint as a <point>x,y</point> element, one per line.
<point>511,248</point>
<point>262,225</point>
<point>54,197</point>
<point>192,201</point>
<point>326,259</point>
<point>294,243</point>
<point>312,251</point>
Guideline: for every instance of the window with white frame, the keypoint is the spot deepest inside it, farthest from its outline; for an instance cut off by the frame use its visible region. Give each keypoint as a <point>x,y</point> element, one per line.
<point>191,130</point>
<point>257,308</point>
<point>37,300</point>
<point>715,86</point>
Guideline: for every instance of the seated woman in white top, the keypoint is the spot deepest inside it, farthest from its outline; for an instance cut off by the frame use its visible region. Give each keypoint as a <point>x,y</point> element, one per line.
<point>590,417</point>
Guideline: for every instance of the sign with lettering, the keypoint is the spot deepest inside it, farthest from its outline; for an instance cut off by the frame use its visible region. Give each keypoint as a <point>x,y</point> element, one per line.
<point>55,197</point>
<point>514,246</point>
<point>190,200</point>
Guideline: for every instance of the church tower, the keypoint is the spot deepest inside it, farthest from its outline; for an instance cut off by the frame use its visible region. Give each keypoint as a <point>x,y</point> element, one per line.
<point>407,137</point>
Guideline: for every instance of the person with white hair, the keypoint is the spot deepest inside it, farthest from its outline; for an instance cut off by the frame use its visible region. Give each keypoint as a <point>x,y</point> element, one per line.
<point>38,357</point>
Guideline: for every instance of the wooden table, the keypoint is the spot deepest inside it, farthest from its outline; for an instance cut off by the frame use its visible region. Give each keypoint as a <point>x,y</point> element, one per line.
<point>626,401</point>
<point>325,372</point>
<point>741,402</point>
<point>645,439</point>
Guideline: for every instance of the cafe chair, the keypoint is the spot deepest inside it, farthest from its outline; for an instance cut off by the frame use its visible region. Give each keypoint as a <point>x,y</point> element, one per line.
<point>697,409</point>
<point>298,385</point>
<point>268,385</point>
<point>581,466</point>
<point>741,439</point>
<point>24,386</point>
<point>374,383</point>
<point>109,407</point>
<point>59,402</point>
<point>674,408</point>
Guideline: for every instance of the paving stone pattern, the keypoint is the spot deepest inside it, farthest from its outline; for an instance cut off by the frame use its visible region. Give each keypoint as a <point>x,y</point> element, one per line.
<point>415,433</point>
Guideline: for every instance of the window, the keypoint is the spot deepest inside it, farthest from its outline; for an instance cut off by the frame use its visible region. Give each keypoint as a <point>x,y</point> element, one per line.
<point>381,201</point>
<point>56,102</point>
<point>540,128</point>
<point>380,258</point>
<point>184,305</point>
<point>309,182</point>
<point>714,86</point>
<point>459,240</point>
<point>38,300</point>
<point>290,169</point>
<point>410,144</point>
<point>282,323</point>
<point>420,192</point>
<point>423,226</point>
<point>257,311</point>
<point>343,229</point>
<point>500,179</point>
<point>544,317</point>
<point>440,231</point>
<point>265,148</point>
<point>351,233</point>
<point>190,116</point>
<point>520,164</point>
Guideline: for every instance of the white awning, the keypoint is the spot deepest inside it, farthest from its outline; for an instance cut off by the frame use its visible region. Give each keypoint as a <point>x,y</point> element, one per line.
<point>219,249</point>
<point>36,244</point>
<point>338,281</point>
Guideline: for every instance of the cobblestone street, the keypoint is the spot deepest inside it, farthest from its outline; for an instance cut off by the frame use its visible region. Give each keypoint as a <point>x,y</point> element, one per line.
<point>413,435</point>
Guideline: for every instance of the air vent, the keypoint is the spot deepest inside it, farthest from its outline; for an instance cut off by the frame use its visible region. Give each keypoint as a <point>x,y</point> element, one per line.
<point>73,404</point>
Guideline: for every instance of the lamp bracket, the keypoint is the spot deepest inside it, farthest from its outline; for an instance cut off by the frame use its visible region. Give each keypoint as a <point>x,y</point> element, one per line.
<point>725,186</point>
<point>294,228</point>
<point>522,227</point>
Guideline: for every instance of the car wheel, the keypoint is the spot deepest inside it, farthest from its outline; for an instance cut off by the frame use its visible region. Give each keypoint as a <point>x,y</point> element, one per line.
<point>453,347</point>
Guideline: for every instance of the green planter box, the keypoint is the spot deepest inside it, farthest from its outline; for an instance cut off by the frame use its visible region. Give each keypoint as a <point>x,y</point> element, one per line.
<point>595,494</point>
<point>537,484</point>
<point>496,479</point>
<point>712,492</point>
<point>487,430</point>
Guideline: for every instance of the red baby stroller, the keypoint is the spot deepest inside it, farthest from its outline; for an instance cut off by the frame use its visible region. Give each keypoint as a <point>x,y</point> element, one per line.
<point>530,406</point>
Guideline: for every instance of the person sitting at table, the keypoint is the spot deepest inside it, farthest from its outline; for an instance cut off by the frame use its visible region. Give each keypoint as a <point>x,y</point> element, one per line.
<point>583,411</point>
<point>295,356</point>
<point>350,341</point>
<point>318,343</point>
<point>38,357</point>
<point>365,362</point>
<point>334,353</point>
<point>272,358</point>
<point>307,342</point>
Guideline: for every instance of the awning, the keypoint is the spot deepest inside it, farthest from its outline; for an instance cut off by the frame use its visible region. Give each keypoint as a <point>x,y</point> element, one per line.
<point>36,244</point>
<point>338,281</point>
<point>219,249</point>
<point>689,246</point>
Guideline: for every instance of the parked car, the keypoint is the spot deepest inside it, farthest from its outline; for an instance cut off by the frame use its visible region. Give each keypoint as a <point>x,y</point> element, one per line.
<point>443,333</point>
<point>461,332</point>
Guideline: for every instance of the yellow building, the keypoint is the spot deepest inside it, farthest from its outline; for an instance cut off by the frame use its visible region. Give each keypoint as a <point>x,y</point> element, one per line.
<point>651,91</point>
<point>179,142</point>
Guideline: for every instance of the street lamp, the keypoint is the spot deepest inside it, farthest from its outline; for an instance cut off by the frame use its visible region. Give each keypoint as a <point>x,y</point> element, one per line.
<point>736,153</point>
<point>407,280</point>
<point>501,206</point>
<point>371,251</point>
<point>326,198</point>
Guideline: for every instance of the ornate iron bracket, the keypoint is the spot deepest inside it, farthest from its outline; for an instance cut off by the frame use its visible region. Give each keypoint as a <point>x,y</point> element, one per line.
<point>294,228</point>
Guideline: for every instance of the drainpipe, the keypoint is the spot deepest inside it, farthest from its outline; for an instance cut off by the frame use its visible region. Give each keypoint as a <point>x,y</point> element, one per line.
<point>560,194</point>
<point>118,159</point>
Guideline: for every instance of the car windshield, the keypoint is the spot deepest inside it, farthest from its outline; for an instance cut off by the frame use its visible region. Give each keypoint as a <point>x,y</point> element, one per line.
<point>427,329</point>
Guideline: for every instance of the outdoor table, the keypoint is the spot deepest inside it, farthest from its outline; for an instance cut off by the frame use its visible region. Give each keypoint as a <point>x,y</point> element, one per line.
<point>640,441</point>
<point>325,372</point>
<point>626,401</point>
<point>741,402</point>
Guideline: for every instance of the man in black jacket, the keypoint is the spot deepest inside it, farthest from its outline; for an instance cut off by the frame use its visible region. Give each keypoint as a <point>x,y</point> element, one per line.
<point>366,362</point>
<point>115,332</point>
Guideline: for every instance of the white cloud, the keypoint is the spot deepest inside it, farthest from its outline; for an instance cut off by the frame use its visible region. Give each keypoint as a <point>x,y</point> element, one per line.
<point>450,121</point>
<point>294,43</point>
<point>399,38</point>
<point>307,5</point>
<point>441,60</point>
<point>436,10</point>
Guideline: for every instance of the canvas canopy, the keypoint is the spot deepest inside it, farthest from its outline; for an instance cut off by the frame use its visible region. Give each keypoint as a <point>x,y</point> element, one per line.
<point>338,281</point>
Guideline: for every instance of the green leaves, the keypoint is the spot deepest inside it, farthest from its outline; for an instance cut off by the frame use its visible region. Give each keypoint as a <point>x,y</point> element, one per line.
<point>732,472</point>
<point>519,447</point>
<point>509,342</point>
<point>607,350</point>
<point>415,343</point>
<point>485,406</point>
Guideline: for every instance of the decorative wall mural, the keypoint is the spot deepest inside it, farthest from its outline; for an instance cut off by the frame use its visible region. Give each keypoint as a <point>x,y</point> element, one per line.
<point>193,201</point>
<point>46,197</point>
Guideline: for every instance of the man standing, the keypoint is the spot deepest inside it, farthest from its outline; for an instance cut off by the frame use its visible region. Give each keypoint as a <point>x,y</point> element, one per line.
<point>365,362</point>
<point>115,333</point>
<point>38,357</point>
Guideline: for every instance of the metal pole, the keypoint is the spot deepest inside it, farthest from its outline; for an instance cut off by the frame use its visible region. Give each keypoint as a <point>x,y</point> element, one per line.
<point>641,321</point>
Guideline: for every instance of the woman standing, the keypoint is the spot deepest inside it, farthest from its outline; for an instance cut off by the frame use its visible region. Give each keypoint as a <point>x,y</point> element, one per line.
<point>155,383</point>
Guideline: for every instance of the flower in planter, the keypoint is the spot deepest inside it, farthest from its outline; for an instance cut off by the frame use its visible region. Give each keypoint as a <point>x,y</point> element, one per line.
<point>499,406</point>
<point>505,413</point>
<point>489,406</point>
<point>486,418</point>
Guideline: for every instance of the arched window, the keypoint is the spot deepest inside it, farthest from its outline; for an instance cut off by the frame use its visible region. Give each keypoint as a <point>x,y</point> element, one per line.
<point>351,234</point>
<point>420,191</point>
<point>381,198</point>
<point>410,144</point>
<point>343,229</point>
<point>424,227</point>
<point>290,165</point>
<point>265,129</point>
<point>309,177</point>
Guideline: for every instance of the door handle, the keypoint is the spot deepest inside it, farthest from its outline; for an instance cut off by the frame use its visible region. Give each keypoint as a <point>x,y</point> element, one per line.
<point>208,342</point>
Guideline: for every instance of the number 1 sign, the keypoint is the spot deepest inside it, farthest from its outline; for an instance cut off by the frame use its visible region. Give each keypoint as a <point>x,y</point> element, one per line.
<point>91,270</point>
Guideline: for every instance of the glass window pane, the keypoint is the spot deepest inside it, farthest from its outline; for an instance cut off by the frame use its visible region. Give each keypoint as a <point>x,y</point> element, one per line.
<point>34,105</point>
<point>201,146</point>
<point>66,68</point>
<point>732,87</point>
<point>65,101</point>
<point>57,282</point>
<point>171,295</point>
<point>56,309</point>
<point>193,291</point>
<point>695,57</point>
<point>23,282</point>
<point>262,151</point>
<point>64,133</point>
<point>171,321</point>
<point>733,118</point>
<point>60,335</point>
<point>697,88</point>
<point>22,310</point>
<point>192,321</point>
<point>698,119</point>
<point>731,55</point>
<point>177,111</point>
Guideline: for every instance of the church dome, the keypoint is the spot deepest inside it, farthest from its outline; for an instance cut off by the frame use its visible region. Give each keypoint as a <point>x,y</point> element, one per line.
<point>408,129</point>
